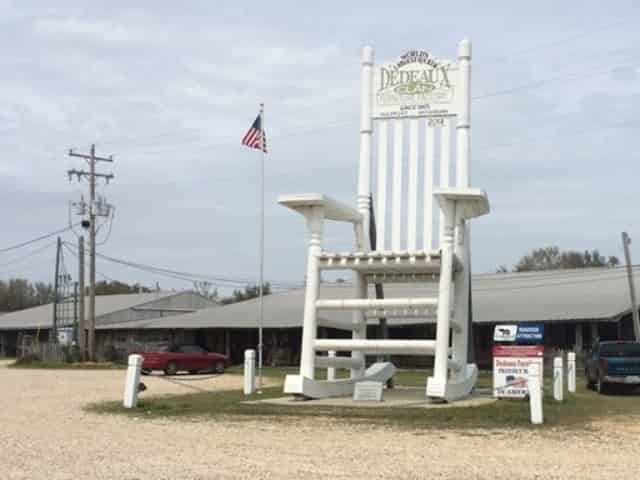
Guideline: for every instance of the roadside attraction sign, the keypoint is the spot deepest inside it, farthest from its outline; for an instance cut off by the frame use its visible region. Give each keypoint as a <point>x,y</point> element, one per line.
<point>516,348</point>
<point>511,364</point>
<point>416,85</point>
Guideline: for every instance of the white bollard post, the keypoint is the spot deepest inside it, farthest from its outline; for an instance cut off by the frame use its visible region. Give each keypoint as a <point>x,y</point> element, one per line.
<point>132,381</point>
<point>331,371</point>
<point>558,384</point>
<point>249,372</point>
<point>535,394</point>
<point>571,372</point>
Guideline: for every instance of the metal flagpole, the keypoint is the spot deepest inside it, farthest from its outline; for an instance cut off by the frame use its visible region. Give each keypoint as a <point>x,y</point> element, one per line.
<point>260,314</point>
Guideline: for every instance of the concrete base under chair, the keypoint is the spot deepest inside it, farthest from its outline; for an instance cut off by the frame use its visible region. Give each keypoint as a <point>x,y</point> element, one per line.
<point>398,397</point>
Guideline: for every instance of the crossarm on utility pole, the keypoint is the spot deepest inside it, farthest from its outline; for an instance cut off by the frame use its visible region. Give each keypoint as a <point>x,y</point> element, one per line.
<point>81,173</point>
<point>91,157</point>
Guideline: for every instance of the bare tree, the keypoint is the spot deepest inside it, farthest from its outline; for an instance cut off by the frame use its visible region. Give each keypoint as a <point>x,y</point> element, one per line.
<point>206,289</point>
<point>552,258</point>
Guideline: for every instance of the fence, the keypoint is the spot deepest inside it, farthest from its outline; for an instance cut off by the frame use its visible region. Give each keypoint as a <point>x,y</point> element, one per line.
<point>35,350</point>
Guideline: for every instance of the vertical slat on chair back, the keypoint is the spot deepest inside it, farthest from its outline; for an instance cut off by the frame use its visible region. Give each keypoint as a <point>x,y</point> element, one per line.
<point>429,161</point>
<point>381,207</point>
<point>421,154</point>
<point>397,185</point>
<point>412,190</point>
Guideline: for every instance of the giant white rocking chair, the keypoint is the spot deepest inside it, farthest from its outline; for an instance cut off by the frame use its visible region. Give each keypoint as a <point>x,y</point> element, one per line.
<point>438,95</point>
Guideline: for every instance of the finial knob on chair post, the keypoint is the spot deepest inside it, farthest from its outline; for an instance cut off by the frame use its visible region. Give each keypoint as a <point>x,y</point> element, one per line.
<point>464,48</point>
<point>367,55</point>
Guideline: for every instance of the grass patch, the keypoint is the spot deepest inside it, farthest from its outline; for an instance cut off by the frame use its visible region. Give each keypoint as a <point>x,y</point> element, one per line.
<point>40,364</point>
<point>277,373</point>
<point>575,412</point>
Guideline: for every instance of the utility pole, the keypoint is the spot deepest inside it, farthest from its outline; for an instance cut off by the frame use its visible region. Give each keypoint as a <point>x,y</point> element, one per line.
<point>82,341</point>
<point>626,240</point>
<point>56,296</point>
<point>94,208</point>
<point>75,313</point>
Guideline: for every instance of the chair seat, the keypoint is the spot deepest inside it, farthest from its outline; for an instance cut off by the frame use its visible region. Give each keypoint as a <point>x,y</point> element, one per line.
<point>383,263</point>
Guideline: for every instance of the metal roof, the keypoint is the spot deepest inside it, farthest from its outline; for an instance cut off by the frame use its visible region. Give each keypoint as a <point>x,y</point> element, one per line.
<point>42,316</point>
<point>552,296</point>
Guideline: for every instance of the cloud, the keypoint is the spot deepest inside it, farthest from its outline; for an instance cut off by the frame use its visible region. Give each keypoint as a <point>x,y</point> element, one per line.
<point>112,33</point>
<point>170,90</point>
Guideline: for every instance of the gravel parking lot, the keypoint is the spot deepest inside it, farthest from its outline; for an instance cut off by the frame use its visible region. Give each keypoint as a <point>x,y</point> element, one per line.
<point>45,434</point>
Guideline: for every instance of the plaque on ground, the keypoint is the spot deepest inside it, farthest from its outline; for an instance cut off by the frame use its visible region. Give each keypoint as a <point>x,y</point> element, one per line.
<point>368,391</point>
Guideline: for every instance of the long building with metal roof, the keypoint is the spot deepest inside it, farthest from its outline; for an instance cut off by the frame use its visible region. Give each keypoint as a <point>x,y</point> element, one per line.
<point>110,309</point>
<point>586,295</point>
<point>576,306</point>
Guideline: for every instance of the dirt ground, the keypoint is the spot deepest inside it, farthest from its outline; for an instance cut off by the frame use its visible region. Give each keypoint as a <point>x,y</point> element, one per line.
<point>45,434</point>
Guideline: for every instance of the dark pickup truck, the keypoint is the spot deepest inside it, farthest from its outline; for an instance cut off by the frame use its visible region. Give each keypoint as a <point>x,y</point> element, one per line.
<point>613,362</point>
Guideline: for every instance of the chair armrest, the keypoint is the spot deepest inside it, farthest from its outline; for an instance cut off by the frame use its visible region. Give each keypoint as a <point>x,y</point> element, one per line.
<point>470,202</point>
<point>332,209</point>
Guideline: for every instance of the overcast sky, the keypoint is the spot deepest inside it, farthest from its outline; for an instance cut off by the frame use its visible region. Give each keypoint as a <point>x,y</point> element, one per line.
<point>169,88</point>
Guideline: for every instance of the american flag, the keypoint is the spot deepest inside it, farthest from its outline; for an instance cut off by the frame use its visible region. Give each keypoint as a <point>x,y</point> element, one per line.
<point>256,137</point>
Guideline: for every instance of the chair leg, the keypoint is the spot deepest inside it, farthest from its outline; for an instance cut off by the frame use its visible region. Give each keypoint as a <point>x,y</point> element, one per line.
<point>310,323</point>
<point>359,325</point>
<point>310,320</point>
<point>437,384</point>
<point>460,339</point>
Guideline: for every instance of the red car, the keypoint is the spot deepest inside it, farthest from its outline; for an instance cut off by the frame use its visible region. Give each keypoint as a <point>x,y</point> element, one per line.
<point>191,358</point>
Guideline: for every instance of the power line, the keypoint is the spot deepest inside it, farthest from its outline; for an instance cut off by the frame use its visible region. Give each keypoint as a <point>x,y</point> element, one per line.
<point>516,276</point>
<point>187,276</point>
<point>539,83</point>
<point>191,276</point>
<point>535,84</point>
<point>501,59</point>
<point>546,284</point>
<point>29,255</point>
<point>541,284</point>
<point>37,239</point>
<point>560,41</point>
<point>614,126</point>
<point>498,59</point>
<point>69,247</point>
<point>225,142</point>
<point>20,271</point>
<point>607,274</point>
<point>551,280</point>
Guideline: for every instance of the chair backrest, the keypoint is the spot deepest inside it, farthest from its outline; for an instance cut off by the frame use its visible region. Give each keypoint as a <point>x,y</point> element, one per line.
<point>414,137</point>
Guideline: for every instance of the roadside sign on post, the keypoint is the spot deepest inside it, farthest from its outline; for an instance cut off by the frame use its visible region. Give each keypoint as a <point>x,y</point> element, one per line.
<point>517,347</point>
<point>511,364</point>
<point>530,333</point>
<point>505,333</point>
